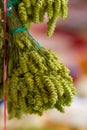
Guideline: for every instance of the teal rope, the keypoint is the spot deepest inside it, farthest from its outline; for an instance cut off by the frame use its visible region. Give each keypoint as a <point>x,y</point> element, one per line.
<point>22,29</point>
<point>17,30</point>
<point>31,38</point>
<point>15,2</point>
<point>9,6</point>
<point>11,3</point>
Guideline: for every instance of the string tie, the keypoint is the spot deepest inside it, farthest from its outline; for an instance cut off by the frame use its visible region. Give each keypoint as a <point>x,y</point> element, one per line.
<point>9,6</point>
<point>22,29</point>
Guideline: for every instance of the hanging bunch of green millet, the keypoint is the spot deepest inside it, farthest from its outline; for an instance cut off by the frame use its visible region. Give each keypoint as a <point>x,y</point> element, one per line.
<point>37,81</point>
<point>35,10</point>
<point>31,90</point>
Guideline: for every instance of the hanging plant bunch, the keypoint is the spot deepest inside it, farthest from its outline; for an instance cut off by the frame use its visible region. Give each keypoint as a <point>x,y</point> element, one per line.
<point>1,56</point>
<point>36,81</point>
<point>33,11</point>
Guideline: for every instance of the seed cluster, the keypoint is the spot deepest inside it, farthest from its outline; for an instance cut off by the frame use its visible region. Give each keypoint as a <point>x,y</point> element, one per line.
<point>35,10</point>
<point>37,81</point>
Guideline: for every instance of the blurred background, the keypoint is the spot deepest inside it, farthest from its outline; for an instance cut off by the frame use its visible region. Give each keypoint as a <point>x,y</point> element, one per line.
<point>69,41</point>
